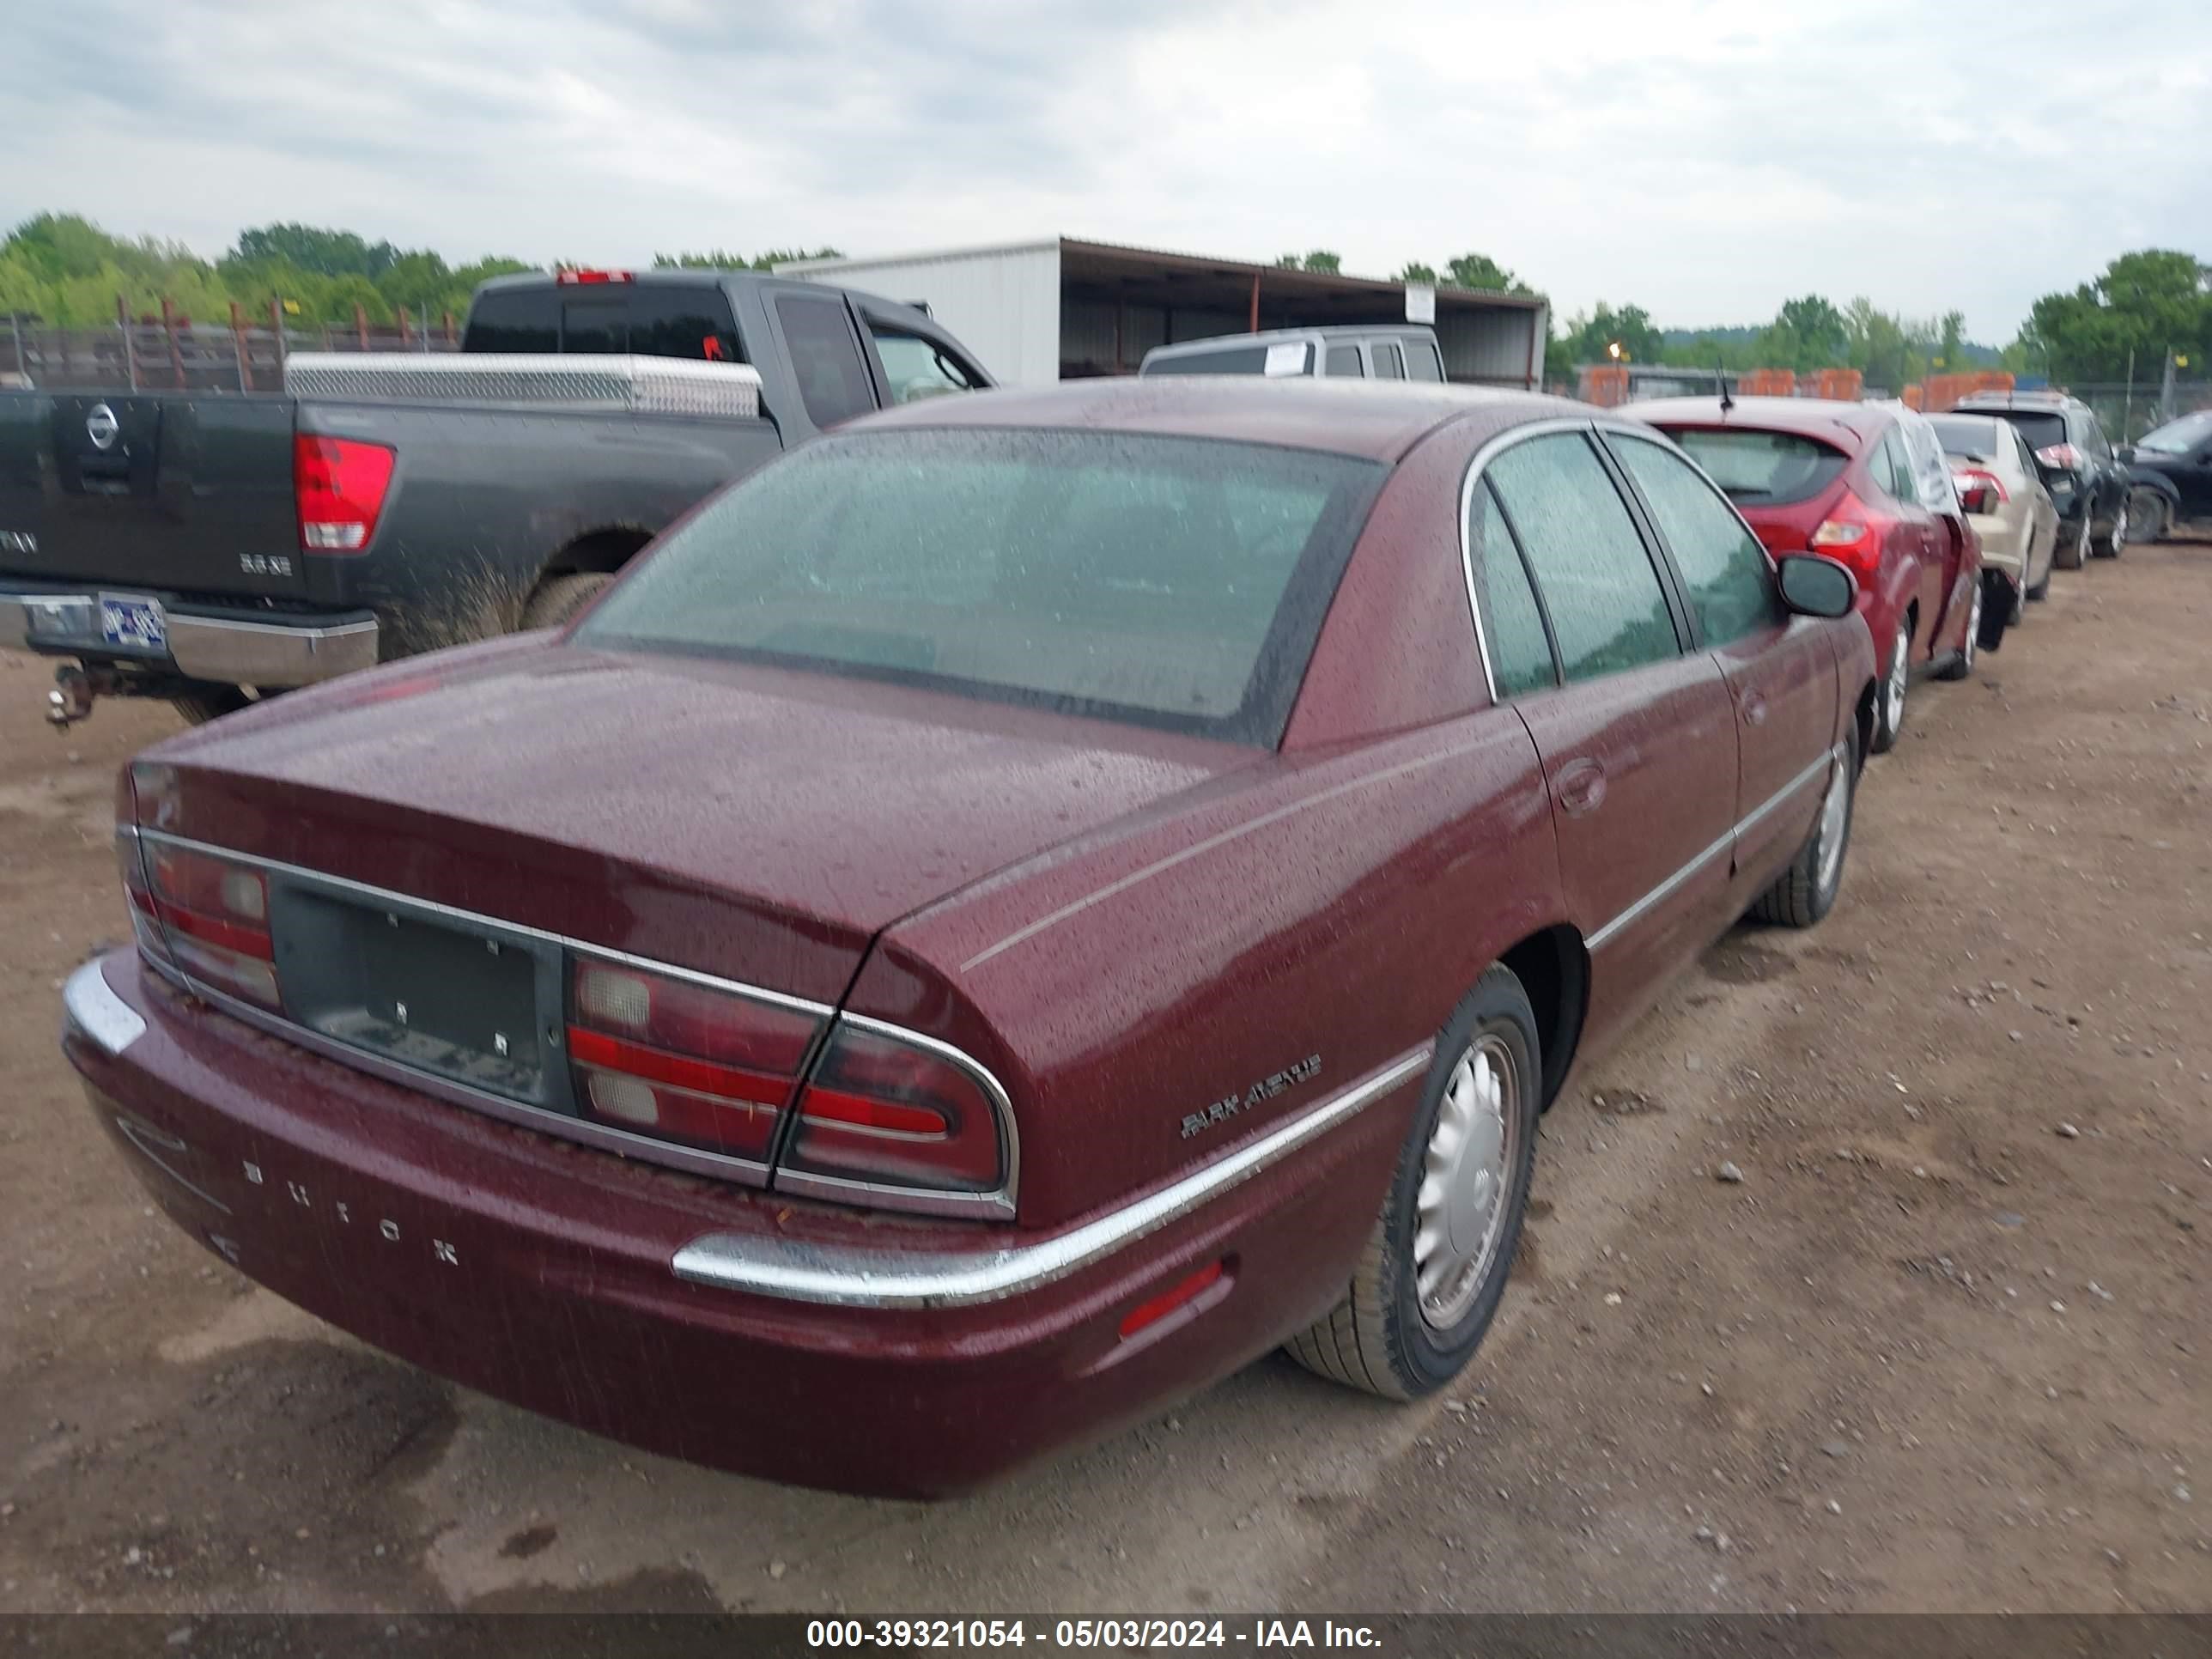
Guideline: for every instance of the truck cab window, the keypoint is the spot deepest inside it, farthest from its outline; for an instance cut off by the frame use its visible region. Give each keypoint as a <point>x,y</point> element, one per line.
<point>680,321</point>
<point>1344,359</point>
<point>1421,362</point>
<point>914,369</point>
<point>1388,366</point>
<point>514,320</point>
<point>826,356</point>
<point>595,328</point>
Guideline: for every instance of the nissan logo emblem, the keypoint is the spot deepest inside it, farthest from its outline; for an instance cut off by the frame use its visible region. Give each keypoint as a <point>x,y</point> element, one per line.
<point>101,426</point>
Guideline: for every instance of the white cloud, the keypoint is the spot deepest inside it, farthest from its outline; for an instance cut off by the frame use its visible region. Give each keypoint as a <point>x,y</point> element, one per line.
<point>1705,160</point>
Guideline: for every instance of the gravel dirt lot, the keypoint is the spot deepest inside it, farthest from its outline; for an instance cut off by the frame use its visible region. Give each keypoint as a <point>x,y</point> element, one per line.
<point>1944,1345</point>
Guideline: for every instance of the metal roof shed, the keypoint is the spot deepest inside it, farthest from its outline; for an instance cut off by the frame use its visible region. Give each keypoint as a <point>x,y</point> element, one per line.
<point>1061,308</point>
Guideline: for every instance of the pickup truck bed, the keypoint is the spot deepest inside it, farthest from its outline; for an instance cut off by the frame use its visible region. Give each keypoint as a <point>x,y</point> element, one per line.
<point>164,545</point>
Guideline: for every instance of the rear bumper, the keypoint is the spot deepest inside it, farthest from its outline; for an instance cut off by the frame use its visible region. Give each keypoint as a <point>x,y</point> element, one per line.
<point>750,1331</point>
<point>2004,547</point>
<point>205,642</point>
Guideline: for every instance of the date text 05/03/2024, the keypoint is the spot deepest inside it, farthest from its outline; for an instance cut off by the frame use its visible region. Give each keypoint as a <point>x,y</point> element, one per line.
<point>1108,1633</point>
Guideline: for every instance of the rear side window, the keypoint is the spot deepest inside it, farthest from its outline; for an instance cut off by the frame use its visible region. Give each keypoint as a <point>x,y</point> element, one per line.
<point>1388,366</point>
<point>1598,585</point>
<point>1421,362</point>
<point>832,379</point>
<point>514,320</point>
<point>915,368</point>
<point>1892,469</point>
<point>1512,625</point>
<point>1284,357</point>
<point>1972,437</point>
<point>1344,360</point>
<point>1729,586</point>
<point>683,321</point>
<point>1763,469</point>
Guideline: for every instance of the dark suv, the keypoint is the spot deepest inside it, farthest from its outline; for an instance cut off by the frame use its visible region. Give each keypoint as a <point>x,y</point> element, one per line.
<point>2088,483</point>
<point>2171,469</point>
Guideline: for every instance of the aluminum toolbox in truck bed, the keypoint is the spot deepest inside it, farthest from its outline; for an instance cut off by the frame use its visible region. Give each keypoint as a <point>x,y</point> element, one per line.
<point>640,386</point>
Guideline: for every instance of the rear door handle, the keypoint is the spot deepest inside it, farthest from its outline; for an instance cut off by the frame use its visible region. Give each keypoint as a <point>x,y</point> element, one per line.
<point>1581,786</point>
<point>1754,709</point>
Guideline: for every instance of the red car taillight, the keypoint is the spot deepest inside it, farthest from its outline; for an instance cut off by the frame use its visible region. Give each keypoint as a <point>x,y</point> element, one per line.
<point>338,486</point>
<point>1848,535</point>
<point>2061,455</point>
<point>214,920</point>
<point>1979,492</point>
<point>886,1109</point>
<point>662,1057</point>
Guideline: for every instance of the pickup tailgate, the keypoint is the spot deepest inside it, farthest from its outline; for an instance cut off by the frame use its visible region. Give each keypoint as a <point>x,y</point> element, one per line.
<point>177,493</point>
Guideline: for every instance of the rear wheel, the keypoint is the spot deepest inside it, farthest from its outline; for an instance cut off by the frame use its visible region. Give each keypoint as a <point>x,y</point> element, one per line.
<point>2149,516</point>
<point>2075,553</point>
<point>1806,891</point>
<point>1889,706</point>
<point>559,598</point>
<point>1430,1279</point>
<point>198,708</point>
<point>1963,664</point>
<point>2114,541</point>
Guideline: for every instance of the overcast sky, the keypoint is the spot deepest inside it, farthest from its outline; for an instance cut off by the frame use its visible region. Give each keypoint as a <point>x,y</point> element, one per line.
<point>1705,161</point>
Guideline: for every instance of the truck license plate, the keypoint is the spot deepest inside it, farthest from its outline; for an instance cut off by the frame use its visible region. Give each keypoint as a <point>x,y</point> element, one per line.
<point>133,623</point>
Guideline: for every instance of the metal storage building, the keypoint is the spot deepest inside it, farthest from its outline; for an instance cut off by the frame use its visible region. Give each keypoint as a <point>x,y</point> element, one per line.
<point>1063,308</point>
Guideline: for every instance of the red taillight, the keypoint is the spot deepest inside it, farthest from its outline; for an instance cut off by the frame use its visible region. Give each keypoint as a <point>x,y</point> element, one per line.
<point>1147,1313</point>
<point>663,1057</point>
<point>145,921</point>
<point>1847,535</point>
<point>588,278</point>
<point>1979,492</point>
<point>214,920</point>
<point>338,485</point>
<point>2061,455</point>
<point>883,1110</point>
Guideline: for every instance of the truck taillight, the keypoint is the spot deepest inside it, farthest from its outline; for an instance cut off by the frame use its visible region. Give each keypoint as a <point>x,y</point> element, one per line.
<point>2063,456</point>
<point>590,278</point>
<point>1847,535</point>
<point>214,917</point>
<point>338,486</point>
<point>662,1057</point>
<point>887,1111</point>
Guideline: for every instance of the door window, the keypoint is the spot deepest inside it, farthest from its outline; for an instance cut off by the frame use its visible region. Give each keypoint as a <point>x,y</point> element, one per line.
<point>1596,581</point>
<point>1730,585</point>
<point>1421,362</point>
<point>915,368</point>
<point>826,357</point>
<point>1344,360</point>
<point>1892,469</point>
<point>1388,366</point>
<point>1512,624</point>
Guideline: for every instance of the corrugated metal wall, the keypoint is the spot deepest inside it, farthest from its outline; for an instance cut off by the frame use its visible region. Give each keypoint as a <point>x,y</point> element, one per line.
<point>1004,303</point>
<point>1492,345</point>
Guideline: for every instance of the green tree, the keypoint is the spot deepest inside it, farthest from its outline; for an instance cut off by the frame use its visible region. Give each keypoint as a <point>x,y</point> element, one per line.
<point>311,248</point>
<point>2147,303</point>
<point>723,259</point>
<point>1951,347</point>
<point>1415,271</point>
<point>1586,337</point>
<point>1810,334</point>
<point>1479,271</point>
<point>1322,260</point>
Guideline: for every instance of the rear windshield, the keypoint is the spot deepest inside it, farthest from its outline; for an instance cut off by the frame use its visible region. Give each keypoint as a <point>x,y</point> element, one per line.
<point>1177,582</point>
<point>1762,469</point>
<point>1281,358</point>
<point>651,320</point>
<point>2039,427</point>
<point>1970,437</point>
<point>2180,437</point>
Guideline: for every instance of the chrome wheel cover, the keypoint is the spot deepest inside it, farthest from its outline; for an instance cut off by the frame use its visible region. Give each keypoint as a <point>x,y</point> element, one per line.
<point>1973,638</point>
<point>1892,695</point>
<point>2118,539</point>
<point>1460,1212</point>
<point>1835,817</point>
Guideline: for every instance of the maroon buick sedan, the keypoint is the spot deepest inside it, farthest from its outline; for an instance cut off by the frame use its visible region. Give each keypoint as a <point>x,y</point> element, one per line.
<point>1003,917</point>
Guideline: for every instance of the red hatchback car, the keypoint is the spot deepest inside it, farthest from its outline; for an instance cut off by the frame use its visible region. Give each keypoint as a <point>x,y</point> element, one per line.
<point>1843,479</point>
<point>1005,916</point>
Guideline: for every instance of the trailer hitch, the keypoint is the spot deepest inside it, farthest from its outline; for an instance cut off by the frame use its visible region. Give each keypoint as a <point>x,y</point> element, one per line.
<point>75,688</point>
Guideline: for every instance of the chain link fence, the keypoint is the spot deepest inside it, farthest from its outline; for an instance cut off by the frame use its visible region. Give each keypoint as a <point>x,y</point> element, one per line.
<point>2127,411</point>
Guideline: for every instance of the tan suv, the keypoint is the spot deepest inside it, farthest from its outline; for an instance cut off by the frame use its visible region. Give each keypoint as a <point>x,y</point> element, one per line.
<point>2004,499</point>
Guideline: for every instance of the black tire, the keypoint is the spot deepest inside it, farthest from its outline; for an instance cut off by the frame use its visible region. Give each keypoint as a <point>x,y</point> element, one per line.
<point>198,708</point>
<point>2150,515</point>
<point>2114,541</point>
<point>1377,1338</point>
<point>1890,698</point>
<point>2074,554</point>
<point>1800,896</point>
<point>1962,666</point>
<point>559,598</point>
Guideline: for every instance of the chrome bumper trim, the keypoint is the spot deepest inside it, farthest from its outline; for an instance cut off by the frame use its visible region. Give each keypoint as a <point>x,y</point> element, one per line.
<point>91,1005</point>
<point>225,650</point>
<point>794,1271</point>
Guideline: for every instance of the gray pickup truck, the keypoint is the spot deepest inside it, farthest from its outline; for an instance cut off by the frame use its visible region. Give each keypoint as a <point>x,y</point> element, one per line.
<point>209,549</point>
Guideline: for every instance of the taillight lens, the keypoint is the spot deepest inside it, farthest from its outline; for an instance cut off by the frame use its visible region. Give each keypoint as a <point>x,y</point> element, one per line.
<point>145,921</point>
<point>338,485</point>
<point>1847,535</point>
<point>2061,455</point>
<point>214,920</point>
<point>662,1057</point>
<point>879,1109</point>
<point>1979,492</point>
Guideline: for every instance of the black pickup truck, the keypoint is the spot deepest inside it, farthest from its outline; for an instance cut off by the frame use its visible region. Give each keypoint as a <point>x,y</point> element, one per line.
<point>209,549</point>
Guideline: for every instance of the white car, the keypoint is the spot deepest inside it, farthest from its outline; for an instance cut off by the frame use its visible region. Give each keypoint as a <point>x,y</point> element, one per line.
<point>2004,499</point>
